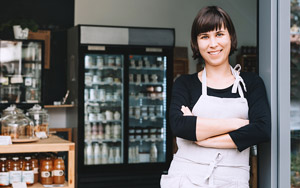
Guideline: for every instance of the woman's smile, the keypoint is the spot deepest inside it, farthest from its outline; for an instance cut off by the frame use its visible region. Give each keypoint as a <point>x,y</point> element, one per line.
<point>216,52</point>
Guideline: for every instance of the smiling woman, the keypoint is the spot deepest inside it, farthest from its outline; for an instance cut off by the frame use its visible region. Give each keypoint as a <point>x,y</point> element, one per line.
<point>216,114</point>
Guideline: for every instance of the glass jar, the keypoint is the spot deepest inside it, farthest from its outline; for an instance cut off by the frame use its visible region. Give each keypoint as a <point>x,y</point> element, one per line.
<point>40,118</point>
<point>17,125</point>
<point>32,95</point>
<point>27,171</point>
<point>10,93</point>
<point>46,171</point>
<point>4,173</point>
<point>35,167</point>
<point>59,171</point>
<point>15,173</point>
<point>8,162</point>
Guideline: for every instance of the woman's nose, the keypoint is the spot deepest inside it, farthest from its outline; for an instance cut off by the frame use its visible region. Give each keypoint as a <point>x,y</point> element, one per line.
<point>213,42</point>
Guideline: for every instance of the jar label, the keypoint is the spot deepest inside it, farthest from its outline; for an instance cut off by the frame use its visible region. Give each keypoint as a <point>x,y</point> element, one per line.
<point>4,178</point>
<point>35,170</point>
<point>15,176</point>
<point>45,174</point>
<point>58,172</point>
<point>28,177</point>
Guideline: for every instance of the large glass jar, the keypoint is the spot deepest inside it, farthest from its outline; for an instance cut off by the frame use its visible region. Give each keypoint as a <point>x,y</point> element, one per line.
<point>40,118</point>
<point>17,125</point>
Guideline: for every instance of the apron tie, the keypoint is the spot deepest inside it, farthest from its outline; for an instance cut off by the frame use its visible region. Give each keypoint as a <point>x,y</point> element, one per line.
<point>238,80</point>
<point>211,167</point>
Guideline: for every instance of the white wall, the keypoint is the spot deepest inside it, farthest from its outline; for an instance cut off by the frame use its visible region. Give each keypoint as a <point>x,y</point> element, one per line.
<point>178,14</point>
<point>57,117</point>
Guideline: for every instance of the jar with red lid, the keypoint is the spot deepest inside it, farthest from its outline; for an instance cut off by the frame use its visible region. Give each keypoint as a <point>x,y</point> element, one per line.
<point>46,171</point>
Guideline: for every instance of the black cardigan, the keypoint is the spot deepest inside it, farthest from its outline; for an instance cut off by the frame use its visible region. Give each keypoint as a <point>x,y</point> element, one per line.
<point>188,88</point>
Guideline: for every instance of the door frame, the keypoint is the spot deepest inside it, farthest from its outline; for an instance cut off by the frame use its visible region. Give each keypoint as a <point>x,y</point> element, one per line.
<point>274,62</point>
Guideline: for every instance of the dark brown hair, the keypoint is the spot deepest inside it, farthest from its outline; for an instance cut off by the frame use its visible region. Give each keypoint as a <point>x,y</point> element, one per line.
<point>209,19</point>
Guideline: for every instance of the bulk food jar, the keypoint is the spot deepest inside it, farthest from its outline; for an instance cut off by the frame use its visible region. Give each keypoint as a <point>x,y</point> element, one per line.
<point>40,118</point>
<point>16,125</point>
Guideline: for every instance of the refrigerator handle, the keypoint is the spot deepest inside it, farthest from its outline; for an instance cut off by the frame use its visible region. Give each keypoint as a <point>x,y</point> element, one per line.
<point>72,69</point>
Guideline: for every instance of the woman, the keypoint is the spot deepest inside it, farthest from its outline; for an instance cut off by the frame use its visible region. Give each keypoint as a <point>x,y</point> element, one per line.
<point>229,111</point>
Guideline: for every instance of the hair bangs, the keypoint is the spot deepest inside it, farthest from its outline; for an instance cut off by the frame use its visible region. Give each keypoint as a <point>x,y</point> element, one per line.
<point>213,21</point>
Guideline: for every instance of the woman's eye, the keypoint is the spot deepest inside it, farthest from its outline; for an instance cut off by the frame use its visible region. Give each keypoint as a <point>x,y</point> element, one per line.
<point>203,37</point>
<point>220,34</point>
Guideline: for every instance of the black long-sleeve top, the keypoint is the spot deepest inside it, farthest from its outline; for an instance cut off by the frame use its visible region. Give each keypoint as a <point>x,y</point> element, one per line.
<point>188,88</point>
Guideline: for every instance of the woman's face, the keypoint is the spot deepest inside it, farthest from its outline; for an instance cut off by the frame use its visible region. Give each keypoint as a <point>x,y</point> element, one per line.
<point>214,46</point>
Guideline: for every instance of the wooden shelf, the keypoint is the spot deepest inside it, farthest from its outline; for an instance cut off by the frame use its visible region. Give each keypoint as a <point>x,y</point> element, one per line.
<point>248,55</point>
<point>51,144</point>
<point>59,106</point>
<point>39,185</point>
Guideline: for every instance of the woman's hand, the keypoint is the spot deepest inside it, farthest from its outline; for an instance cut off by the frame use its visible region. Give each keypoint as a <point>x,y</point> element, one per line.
<point>186,111</point>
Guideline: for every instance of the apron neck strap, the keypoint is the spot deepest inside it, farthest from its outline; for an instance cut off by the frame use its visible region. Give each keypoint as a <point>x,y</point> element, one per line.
<point>236,86</point>
<point>238,81</point>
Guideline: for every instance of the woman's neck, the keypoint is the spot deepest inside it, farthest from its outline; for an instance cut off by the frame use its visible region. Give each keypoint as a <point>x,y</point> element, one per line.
<point>218,72</point>
<point>218,77</point>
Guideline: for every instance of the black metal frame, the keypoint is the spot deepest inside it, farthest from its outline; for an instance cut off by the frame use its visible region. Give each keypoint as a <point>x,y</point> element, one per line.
<point>83,169</point>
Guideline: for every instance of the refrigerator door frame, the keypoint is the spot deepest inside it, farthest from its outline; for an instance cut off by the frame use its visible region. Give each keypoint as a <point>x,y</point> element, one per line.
<point>168,52</point>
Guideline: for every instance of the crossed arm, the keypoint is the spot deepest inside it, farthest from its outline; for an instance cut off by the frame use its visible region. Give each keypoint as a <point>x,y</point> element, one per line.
<point>209,133</point>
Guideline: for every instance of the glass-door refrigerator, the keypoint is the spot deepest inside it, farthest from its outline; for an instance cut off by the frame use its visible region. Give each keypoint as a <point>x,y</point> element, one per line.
<point>120,80</point>
<point>21,63</point>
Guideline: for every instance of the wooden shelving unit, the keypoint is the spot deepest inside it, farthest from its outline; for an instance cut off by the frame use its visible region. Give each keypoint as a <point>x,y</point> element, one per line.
<point>51,144</point>
<point>180,61</point>
<point>248,62</point>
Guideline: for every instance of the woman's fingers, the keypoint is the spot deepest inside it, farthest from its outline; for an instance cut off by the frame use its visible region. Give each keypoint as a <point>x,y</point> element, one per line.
<point>186,111</point>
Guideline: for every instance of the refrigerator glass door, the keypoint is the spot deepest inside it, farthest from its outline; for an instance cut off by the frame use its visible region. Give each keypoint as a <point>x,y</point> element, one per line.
<point>147,107</point>
<point>103,109</point>
<point>20,71</point>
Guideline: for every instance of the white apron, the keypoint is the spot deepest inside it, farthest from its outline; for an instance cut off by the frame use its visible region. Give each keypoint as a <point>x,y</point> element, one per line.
<point>194,166</point>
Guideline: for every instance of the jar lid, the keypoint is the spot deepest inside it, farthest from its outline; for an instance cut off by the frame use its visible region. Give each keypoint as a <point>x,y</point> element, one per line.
<point>15,120</point>
<point>12,109</point>
<point>37,109</point>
